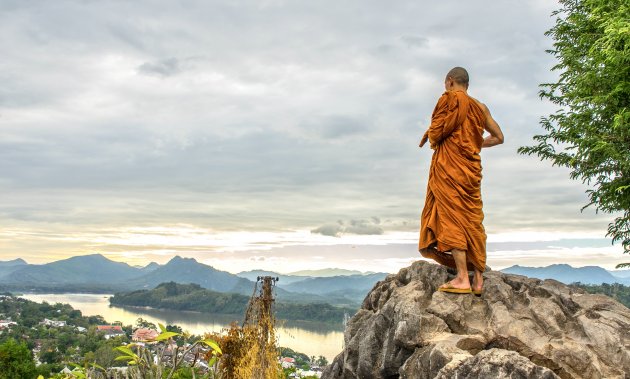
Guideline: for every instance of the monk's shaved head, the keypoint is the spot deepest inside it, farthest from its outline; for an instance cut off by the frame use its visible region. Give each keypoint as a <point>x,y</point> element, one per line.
<point>459,76</point>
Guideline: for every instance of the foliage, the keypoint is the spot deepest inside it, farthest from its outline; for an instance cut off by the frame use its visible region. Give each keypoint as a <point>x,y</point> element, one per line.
<point>590,132</point>
<point>246,357</point>
<point>301,360</point>
<point>192,297</point>
<point>16,361</point>
<point>617,291</point>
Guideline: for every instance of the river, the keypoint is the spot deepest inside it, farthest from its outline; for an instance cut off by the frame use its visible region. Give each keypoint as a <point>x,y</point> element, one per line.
<point>310,338</point>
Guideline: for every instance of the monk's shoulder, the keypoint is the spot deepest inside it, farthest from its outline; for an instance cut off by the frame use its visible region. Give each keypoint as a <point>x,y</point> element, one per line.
<point>481,105</point>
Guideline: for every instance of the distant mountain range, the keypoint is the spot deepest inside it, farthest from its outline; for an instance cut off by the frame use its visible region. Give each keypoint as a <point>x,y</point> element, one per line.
<point>568,274</point>
<point>96,273</point>
<point>349,285</point>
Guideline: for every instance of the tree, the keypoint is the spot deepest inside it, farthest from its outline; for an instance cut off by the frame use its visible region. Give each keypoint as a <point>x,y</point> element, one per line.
<point>590,132</point>
<point>322,361</point>
<point>16,361</point>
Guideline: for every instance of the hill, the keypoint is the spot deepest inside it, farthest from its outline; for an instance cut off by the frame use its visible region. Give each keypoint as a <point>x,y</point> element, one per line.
<point>284,279</point>
<point>7,267</point>
<point>566,274</point>
<point>328,272</point>
<point>620,273</point>
<point>353,287</point>
<point>85,269</point>
<point>191,297</point>
<point>188,270</point>
<point>13,263</point>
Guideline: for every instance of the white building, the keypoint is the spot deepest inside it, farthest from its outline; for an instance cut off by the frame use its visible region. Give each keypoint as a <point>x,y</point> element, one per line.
<point>53,323</point>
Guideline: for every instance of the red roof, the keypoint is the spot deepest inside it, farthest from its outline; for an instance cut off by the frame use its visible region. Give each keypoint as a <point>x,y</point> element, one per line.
<point>144,334</point>
<point>109,328</point>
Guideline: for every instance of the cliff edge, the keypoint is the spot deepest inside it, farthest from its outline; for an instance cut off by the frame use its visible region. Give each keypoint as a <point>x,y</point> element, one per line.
<point>519,328</point>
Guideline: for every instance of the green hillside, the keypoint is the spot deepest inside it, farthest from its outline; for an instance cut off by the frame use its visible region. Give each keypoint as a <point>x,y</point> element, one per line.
<point>192,297</point>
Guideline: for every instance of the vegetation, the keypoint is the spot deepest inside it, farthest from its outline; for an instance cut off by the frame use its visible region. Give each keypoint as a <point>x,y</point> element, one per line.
<point>617,291</point>
<point>192,297</point>
<point>90,355</point>
<point>590,132</point>
<point>55,346</point>
<point>16,361</point>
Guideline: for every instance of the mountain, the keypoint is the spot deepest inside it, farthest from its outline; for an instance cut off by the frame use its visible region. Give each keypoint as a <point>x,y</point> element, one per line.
<point>325,285</point>
<point>13,263</point>
<point>620,273</point>
<point>7,267</point>
<point>327,272</point>
<point>150,267</point>
<point>92,269</point>
<point>192,297</point>
<point>188,270</point>
<point>566,274</point>
<point>283,279</point>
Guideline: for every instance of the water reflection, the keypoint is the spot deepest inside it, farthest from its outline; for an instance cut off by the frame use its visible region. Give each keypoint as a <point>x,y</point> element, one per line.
<point>311,338</point>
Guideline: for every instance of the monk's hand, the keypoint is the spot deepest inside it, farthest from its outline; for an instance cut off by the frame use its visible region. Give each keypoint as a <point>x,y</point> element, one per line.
<point>424,139</point>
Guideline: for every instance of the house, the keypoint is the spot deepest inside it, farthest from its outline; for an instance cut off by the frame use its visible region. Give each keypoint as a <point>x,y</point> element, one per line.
<point>287,362</point>
<point>144,334</point>
<point>81,329</point>
<point>110,331</point>
<point>6,324</point>
<point>53,323</point>
<point>307,373</point>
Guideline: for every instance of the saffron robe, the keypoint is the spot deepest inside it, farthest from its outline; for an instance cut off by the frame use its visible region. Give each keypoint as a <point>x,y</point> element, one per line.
<point>452,216</point>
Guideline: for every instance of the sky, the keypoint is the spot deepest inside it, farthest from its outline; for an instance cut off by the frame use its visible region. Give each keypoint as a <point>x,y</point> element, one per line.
<point>278,135</point>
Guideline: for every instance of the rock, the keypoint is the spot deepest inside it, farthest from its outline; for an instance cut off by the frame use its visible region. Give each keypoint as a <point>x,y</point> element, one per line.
<point>519,328</point>
<point>496,364</point>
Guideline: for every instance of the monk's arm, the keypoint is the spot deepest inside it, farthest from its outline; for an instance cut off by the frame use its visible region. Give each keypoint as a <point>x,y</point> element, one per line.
<point>496,135</point>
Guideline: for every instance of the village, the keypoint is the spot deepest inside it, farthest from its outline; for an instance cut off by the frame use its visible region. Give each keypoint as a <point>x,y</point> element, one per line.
<point>296,365</point>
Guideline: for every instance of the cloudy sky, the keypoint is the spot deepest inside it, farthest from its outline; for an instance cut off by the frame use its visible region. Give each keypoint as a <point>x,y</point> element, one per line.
<point>269,134</point>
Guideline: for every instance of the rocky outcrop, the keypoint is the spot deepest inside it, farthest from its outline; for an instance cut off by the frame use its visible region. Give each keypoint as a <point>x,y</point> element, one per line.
<point>518,328</point>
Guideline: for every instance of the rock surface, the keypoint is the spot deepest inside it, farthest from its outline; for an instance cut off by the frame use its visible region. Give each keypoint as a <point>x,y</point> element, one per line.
<point>518,328</point>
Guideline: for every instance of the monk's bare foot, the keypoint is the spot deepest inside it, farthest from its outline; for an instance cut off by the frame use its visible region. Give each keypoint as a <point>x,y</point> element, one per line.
<point>477,282</point>
<point>457,283</point>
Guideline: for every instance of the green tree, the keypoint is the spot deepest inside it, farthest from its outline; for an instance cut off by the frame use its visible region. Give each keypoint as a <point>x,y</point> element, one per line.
<point>16,361</point>
<point>590,131</point>
<point>322,361</point>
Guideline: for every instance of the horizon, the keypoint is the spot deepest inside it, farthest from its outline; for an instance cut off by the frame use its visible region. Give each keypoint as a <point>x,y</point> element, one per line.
<point>330,268</point>
<point>270,134</point>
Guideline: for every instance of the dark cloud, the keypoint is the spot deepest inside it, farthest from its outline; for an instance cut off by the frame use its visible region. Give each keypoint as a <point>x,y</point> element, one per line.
<point>331,230</point>
<point>163,67</point>
<point>415,41</point>
<point>358,227</point>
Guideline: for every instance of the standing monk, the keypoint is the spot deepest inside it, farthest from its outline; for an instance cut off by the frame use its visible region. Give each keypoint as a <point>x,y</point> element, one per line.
<point>451,230</point>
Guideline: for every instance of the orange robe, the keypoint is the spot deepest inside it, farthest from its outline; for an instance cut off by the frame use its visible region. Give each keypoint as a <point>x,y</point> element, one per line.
<point>452,217</point>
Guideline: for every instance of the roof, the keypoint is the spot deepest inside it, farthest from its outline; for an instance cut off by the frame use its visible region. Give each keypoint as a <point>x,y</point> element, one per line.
<point>144,334</point>
<point>110,328</point>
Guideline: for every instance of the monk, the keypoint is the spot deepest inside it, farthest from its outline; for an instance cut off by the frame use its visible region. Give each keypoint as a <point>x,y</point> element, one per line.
<point>451,231</point>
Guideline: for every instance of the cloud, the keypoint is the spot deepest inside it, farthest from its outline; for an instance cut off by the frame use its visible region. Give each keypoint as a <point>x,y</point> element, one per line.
<point>358,227</point>
<point>220,115</point>
<point>415,41</point>
<point>331,230</point>
<point>163,67</point>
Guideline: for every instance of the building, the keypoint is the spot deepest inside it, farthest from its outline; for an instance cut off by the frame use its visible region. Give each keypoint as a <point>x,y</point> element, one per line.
<point>7,324</point>
<point>110,331</point>
<point>287,362</point>
<point>144,334</point>
<point>53,323</point>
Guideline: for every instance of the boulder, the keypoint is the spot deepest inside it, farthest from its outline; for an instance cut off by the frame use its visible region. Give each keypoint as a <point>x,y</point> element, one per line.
<point>518,328</point>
